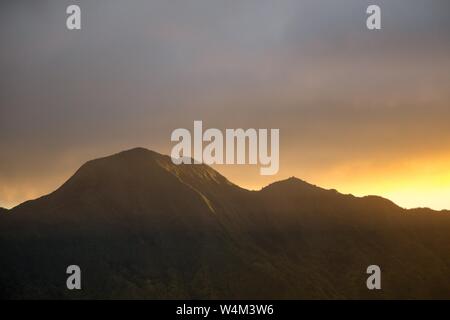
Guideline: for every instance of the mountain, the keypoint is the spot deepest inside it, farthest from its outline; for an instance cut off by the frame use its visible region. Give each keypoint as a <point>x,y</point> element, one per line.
<point>141,227</point>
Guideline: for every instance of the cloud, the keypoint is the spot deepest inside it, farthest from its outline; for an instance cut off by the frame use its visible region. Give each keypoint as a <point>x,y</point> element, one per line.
<point>136,71</point>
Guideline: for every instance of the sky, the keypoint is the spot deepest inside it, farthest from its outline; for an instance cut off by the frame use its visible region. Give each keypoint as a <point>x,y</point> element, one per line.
<point>364,112</point>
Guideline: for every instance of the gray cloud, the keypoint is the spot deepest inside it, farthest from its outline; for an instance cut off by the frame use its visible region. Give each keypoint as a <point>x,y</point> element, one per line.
<point>139,69</point>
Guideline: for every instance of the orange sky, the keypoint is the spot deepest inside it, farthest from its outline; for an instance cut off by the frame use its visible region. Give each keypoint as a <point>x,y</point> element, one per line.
<point>359,111</point>
<point>410,183</point>
<point>418,182</point>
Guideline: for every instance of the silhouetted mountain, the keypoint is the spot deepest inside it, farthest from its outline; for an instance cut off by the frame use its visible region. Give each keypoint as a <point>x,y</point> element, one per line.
<point>141,227</point>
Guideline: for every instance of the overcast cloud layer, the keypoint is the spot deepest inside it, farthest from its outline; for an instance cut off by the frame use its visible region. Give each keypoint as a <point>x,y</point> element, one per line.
<point>353,106</point>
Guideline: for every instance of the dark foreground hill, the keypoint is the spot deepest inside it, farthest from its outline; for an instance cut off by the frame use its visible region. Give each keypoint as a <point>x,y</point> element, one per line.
<point>142,227</point>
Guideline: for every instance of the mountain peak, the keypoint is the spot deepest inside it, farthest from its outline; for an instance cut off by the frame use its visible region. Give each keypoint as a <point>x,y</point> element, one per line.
<point>181,171</point>
<point>135,215</point>
<point>134,153</point>
<point>293,182</point>
<point>140,171</point>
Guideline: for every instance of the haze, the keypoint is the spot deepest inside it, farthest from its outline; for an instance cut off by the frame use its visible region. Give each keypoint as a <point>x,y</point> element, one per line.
<point>364,112</point>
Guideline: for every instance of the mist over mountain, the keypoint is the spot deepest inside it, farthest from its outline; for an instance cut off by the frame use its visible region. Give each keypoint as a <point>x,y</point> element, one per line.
<point>141,227</point>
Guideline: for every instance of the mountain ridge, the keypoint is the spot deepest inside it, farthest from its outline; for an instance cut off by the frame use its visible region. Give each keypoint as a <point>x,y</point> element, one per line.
<point>141,227</point>
<point>165,162</point>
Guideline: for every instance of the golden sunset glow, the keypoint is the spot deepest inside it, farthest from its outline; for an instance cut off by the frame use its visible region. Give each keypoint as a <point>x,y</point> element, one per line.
<point>421,182</point>
<point>412,183</point>
<point>358,111</point>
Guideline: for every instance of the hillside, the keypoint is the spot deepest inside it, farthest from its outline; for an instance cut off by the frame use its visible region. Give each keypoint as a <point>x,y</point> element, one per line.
<point>142,227</point>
